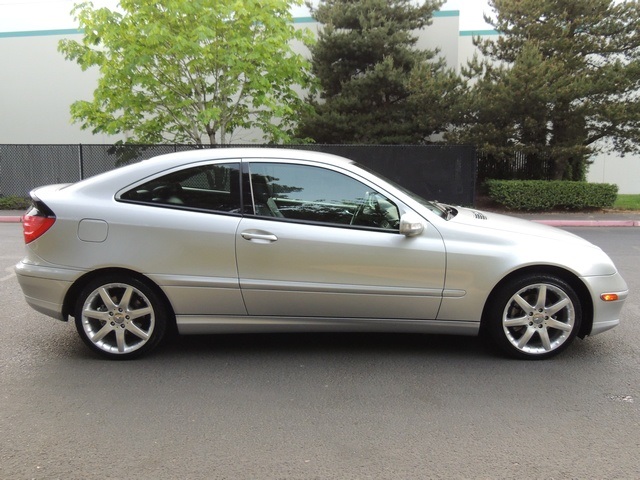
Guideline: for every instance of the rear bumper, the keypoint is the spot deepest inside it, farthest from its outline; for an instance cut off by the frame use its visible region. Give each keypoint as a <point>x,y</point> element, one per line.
<point>45,287</point>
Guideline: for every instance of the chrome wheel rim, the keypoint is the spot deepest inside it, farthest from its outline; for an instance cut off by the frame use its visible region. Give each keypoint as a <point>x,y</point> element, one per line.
<point>538,318</point>
<point>118,318</point>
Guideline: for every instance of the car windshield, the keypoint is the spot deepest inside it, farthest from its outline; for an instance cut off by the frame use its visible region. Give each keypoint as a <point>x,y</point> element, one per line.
<point>435,207</point>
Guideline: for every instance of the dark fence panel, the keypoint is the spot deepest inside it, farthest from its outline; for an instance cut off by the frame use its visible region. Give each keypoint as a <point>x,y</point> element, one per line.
<point>23,167</point>
<point>444,173</point>
<point>102,158</point>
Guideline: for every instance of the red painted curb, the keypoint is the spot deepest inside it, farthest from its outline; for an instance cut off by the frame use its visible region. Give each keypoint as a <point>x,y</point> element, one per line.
<point>590,223</point>
<point>10,219</point>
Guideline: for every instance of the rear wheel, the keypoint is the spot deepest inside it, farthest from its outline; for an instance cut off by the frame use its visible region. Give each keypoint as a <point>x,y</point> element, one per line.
<point>534,317</point>
<point>120,317</point>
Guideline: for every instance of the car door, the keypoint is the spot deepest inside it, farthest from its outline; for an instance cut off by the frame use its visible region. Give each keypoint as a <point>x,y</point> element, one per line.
<point>316,242</point>
<point>179,228</point>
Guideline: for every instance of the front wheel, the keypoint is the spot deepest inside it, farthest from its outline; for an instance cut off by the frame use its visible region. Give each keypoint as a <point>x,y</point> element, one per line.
<point>120,317</point>
<point>534,317</point>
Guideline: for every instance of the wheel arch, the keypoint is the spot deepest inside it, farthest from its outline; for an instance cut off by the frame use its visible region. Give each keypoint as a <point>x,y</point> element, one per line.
<point>572,279</point>
<point>71,297</point>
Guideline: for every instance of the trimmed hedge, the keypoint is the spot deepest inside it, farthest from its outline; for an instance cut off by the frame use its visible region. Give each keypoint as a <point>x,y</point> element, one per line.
<point>543,195</point>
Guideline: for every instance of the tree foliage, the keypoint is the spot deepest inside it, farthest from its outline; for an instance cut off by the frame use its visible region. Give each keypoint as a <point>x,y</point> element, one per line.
<point>190,71</point>
<point>374,83</point>
<point>559,83</point>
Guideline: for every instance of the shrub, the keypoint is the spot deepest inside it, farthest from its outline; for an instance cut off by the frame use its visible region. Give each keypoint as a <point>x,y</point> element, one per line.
<point>549,195</point>
<point>14,203</point>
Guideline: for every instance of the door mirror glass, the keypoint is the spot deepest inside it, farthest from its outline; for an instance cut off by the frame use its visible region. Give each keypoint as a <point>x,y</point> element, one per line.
<point>411,225</point>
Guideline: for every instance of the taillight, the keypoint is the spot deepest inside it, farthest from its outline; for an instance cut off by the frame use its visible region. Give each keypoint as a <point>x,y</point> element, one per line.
<point>37,221</point>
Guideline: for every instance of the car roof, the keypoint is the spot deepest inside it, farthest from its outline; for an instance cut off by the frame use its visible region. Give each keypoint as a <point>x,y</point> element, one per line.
<point>122,176</point>
<point>244,152</point>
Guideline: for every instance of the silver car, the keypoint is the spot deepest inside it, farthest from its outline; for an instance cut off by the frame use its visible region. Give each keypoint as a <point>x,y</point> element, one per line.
<point>268,240</point>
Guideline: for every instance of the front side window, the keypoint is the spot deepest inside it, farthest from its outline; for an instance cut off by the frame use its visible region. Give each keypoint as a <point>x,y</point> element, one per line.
<point>205,187</point>
<point>315,194</point>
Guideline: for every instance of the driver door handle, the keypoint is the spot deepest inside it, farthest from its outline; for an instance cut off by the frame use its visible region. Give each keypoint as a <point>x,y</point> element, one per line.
<point>259,237</point>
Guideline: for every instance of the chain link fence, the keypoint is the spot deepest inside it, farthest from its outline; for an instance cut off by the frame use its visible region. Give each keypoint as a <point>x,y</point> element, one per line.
<point>445,173</point>
<point>24,167</point>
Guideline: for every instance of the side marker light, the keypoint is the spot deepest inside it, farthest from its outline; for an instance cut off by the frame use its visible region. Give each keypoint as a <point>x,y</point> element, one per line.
<point>609,297</point>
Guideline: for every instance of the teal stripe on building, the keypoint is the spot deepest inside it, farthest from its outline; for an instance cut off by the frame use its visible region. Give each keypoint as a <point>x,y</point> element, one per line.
<point>478,33</point>
<point>41,33</point>
<point>75,31</point>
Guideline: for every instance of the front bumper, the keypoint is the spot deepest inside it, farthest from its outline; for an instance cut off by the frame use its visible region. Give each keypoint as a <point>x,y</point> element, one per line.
<point>606,315</point>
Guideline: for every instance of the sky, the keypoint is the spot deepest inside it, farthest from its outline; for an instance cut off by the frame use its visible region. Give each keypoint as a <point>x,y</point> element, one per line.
<point>30,15</point>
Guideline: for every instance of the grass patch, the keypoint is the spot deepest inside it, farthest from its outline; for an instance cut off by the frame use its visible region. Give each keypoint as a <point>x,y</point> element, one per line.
<point>627,202</point>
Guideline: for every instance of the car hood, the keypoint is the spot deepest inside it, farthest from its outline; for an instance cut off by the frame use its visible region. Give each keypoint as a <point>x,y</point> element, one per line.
<point>508,224</point>
<point>523,242</point>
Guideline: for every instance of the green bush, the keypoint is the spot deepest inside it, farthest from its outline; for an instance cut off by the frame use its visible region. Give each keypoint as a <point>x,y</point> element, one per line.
<point>14,203</point>
<point>540,195</point>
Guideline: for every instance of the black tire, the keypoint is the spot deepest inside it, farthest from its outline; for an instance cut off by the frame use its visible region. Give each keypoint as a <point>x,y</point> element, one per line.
<point>534,316</point>
<point>120,317</point>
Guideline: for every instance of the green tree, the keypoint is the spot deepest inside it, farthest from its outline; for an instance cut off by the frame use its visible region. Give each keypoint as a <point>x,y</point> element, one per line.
<point>560,82</point>
<point>372,78</point>
<point>190,71</point>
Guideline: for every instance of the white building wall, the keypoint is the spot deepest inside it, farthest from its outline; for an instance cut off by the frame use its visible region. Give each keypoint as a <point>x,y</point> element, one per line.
<point>613,168</point>
<point>442,35</point>
<point>37,86</point>
<point>466,48</point>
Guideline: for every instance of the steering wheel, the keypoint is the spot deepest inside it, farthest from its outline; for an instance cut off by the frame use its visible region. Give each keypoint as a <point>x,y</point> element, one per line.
<point>365,202</point>
<point>379,212</point>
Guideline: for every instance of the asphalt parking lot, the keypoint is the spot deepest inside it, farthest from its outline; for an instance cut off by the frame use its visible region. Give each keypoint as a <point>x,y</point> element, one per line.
<point>317,406</point>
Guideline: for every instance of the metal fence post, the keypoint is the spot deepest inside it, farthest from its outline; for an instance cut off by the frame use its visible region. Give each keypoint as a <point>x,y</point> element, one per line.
<point>80,162</point>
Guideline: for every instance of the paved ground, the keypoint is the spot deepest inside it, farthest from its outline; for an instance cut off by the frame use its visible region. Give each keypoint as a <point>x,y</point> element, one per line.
<point>305,407</point>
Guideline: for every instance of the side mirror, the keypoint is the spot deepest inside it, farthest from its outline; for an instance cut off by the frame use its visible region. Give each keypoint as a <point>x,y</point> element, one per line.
<point>411,225</point>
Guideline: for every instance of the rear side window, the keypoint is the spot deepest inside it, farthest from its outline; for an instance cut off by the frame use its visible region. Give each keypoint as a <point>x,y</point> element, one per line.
<point>206,187</point>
